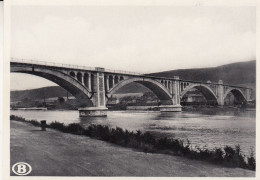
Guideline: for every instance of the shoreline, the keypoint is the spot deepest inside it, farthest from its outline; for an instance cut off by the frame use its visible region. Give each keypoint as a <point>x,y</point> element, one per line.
<point>53,153</point>
<point>66,142</point>
<point>153,108</point>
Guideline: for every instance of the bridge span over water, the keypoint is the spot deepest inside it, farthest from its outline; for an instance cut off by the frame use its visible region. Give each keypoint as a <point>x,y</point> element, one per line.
<point>94,86</point>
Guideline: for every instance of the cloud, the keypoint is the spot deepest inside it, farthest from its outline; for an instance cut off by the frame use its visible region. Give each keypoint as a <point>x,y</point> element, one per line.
<point>147,46</point>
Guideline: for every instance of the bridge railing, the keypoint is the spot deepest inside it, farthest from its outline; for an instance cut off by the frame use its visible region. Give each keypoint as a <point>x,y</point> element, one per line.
<point>51,64</point>
<point>36,62</point>
<point>225,85</point>
<point>234,86</point>
<point>122,72</point>
<point>70,66</point>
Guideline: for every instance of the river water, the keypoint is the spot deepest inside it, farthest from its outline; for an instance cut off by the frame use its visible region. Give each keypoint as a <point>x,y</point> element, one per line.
<point>204,128</point>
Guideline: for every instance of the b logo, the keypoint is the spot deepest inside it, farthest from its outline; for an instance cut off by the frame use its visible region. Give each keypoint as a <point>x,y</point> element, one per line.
<point>21,168</point>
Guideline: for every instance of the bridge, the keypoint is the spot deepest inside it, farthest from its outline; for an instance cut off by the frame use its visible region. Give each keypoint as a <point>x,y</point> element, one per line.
<point>94,86</point>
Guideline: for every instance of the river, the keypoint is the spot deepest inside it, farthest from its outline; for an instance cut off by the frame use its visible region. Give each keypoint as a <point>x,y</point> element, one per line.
<point>204,128</point>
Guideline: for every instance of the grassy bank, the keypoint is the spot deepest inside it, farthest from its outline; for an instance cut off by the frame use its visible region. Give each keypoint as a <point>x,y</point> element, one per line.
<point>227,156</point>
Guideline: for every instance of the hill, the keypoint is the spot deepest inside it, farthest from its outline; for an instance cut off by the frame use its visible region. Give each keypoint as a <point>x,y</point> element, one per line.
<point>40,93</point>
<point>234,74</point>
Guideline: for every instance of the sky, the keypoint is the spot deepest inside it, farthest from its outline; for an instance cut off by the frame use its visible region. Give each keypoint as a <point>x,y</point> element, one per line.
<point>142,39</point>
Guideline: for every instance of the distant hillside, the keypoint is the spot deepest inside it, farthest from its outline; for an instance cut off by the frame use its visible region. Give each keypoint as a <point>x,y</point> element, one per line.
<point>242,73</point>
<point>57,91</point>
<point>235,73</point>
<point>133,88</point>
<point>40,93</point>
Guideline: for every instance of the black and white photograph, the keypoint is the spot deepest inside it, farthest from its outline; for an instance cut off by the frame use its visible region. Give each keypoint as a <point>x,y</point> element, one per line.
<point>127,89</point>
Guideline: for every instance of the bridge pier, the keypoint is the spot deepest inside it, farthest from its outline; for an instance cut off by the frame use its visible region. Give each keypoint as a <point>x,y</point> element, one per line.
<point>175,92</point>
<point>98,97</point>
<point>170,108</point>
<point>93,112</point>
<point>248,94</point>
<point>220,93</point>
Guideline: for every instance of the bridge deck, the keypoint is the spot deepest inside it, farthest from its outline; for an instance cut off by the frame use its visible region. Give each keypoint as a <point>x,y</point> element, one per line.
<point>95,69</point>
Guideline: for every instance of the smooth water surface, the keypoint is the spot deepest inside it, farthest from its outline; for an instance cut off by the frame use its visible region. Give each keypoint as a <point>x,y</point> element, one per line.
<point>202,128</point>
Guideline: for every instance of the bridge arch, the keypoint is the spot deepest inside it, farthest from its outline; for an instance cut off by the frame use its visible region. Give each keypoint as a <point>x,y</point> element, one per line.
<point>66,81</point>
<point>237,93</point>
<point>156,87</point>
<point>116,79</point>
<point>204,89</point>
<point>79,77</point>
<point>72,74</point>
<point>110,81</point>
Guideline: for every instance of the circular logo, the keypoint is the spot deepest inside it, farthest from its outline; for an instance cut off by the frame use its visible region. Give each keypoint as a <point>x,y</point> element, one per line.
<point>21,168</point>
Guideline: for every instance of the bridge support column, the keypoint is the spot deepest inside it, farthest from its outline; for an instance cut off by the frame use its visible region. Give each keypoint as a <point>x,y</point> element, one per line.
<point>113,81</point>
<point>82,80</point>
<point>248,94</point>
<point>175,91</point>
<point>89,82</point>
<point>220,93</point>
<point>107,83</point>
<point>98,97</point>
<point>170,88</point>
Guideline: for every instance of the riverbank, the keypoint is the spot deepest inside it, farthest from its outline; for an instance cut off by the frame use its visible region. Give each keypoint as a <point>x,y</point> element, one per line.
<point>53,153</point>
<point>217,108</point>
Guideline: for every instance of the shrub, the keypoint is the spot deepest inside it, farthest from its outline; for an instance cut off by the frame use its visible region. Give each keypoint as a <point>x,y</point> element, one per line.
<point>74,128</point>
<point>251,161</point>
<point>218,155</point>
<point>229,154</point>
<point>17,118</point>
<point>57,125</point>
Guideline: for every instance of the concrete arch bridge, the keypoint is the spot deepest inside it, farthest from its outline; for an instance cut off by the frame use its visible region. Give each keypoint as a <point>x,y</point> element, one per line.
<point>95,85</point>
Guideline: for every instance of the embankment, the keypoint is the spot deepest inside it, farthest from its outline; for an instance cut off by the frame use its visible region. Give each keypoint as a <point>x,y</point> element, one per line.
<point>53,153</point>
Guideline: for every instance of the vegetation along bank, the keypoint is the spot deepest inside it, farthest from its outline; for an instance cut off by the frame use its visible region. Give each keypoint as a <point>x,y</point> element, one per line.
<point>227,156</point>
